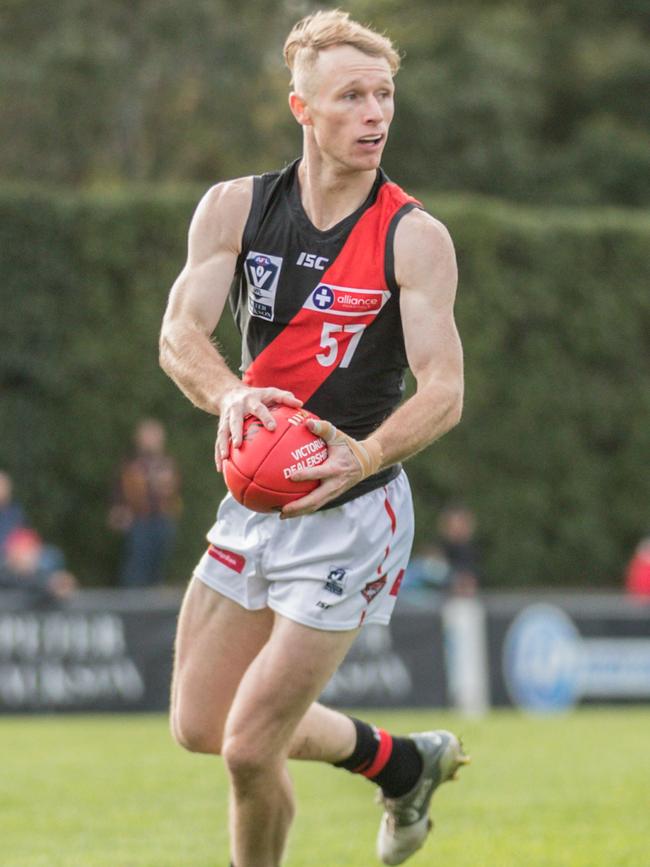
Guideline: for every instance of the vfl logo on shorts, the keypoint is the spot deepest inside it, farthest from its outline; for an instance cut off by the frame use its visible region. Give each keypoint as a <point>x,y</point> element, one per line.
<point>262,275</point>
<point>335,581</point>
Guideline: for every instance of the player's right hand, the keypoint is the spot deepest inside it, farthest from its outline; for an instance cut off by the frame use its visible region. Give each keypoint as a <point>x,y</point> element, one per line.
<point>239,402</point>
<point>349,461</point>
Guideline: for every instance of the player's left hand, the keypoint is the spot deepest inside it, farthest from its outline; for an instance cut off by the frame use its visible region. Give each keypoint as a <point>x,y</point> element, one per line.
<point>349,461</point>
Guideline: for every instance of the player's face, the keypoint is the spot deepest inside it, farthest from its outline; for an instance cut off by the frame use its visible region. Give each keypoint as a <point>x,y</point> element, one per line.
<point>350,107</point>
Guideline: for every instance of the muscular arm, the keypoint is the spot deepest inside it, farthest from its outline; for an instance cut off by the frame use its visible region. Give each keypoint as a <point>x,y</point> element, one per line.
<point>196,302</point>
<point>198,296</point>
<point>425,269</point>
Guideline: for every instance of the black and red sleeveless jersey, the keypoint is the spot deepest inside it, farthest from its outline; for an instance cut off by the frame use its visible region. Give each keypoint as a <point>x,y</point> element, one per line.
<point>318,311</point>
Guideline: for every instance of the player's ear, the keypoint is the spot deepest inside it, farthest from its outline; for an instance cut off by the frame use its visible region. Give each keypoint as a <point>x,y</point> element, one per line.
<point>299,109</point>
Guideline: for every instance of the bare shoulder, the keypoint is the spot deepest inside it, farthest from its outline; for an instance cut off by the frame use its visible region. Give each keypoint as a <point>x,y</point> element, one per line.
<point>424,252</point>
<point>419,228</point>
<point>219,220</point>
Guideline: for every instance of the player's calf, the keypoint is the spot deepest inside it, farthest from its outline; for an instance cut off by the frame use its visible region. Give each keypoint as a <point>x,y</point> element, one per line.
<point>262,803</point>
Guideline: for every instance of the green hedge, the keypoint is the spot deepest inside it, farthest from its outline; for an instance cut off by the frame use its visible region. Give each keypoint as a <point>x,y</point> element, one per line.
<point>553,308</point>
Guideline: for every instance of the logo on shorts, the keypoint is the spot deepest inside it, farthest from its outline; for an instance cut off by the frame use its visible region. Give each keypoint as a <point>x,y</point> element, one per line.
<point>231,559</point>
<point>373,588</point>
<point>335,581</point>
<point>262,275</point>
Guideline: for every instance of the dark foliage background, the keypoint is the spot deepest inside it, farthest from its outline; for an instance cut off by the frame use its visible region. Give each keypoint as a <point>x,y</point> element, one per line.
<point>534,100</point>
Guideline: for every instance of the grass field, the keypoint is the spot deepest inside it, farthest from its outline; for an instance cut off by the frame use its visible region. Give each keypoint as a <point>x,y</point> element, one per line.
<point>571,791</point>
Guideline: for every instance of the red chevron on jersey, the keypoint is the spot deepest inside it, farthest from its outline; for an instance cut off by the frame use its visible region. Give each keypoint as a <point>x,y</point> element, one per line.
<point>325,332</point>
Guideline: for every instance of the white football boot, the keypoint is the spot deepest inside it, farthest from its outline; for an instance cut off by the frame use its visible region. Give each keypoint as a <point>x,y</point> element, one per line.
<point>405,824</point>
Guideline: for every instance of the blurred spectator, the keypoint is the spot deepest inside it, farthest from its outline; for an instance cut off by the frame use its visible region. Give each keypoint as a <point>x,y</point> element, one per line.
<point>427,574</point>
<point>22,570</point>
<point>456,534</point>
<point>12,516</point>
<point>637,576</point>
<point>146,507</point>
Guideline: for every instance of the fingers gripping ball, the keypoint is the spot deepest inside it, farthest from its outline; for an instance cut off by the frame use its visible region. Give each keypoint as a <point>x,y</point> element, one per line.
<point>258,473</point>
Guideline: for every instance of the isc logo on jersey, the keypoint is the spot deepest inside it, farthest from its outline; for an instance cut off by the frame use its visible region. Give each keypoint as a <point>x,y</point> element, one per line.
<point>262,275</point>
<point>345,301</point>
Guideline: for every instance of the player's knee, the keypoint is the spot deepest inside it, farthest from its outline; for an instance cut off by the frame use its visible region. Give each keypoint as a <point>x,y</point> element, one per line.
<point>245,760</point>
<point>194,737</point>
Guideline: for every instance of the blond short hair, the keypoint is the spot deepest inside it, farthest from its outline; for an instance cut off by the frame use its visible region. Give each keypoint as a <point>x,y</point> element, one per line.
<point>326,29</point>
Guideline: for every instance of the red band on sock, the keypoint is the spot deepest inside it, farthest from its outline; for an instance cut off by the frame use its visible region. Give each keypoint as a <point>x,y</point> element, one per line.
<point>383,755</point>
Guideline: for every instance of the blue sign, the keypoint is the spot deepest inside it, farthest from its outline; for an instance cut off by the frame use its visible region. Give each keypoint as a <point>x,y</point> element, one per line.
<point>541,659</point>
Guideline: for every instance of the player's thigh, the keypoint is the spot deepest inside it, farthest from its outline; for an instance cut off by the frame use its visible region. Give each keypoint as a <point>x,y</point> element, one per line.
<point>285,678</point>
<point>215,643</point>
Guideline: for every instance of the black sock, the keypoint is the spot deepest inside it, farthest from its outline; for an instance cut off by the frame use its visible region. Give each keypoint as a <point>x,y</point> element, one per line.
<point>393,763</point>
<point>365,748</point>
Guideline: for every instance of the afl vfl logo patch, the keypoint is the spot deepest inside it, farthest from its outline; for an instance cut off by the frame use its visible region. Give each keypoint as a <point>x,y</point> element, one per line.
<point>262,275</point>
<point>335,581</point>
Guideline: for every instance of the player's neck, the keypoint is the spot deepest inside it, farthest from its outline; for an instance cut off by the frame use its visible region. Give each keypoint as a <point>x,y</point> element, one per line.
<point>329,194</point>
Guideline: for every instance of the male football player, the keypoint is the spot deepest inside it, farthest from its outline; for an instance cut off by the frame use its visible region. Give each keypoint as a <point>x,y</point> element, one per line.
<point>338,280</point>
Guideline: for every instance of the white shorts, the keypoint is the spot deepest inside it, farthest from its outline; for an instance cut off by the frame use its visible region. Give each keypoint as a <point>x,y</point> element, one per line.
<point>332,570</point>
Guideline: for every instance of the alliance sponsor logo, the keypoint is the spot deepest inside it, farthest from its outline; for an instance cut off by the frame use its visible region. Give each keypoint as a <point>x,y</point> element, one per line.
<point>347,301</point>
<point>358,302</point>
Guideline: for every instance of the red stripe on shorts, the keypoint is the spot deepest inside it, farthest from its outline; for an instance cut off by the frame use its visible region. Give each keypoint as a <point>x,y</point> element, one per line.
<point>391,514</point>
<point>373,588</point>
<point>397,583</point>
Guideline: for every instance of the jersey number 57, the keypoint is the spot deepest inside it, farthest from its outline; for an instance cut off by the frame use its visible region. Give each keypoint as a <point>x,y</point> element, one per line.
<point>334,337</point>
